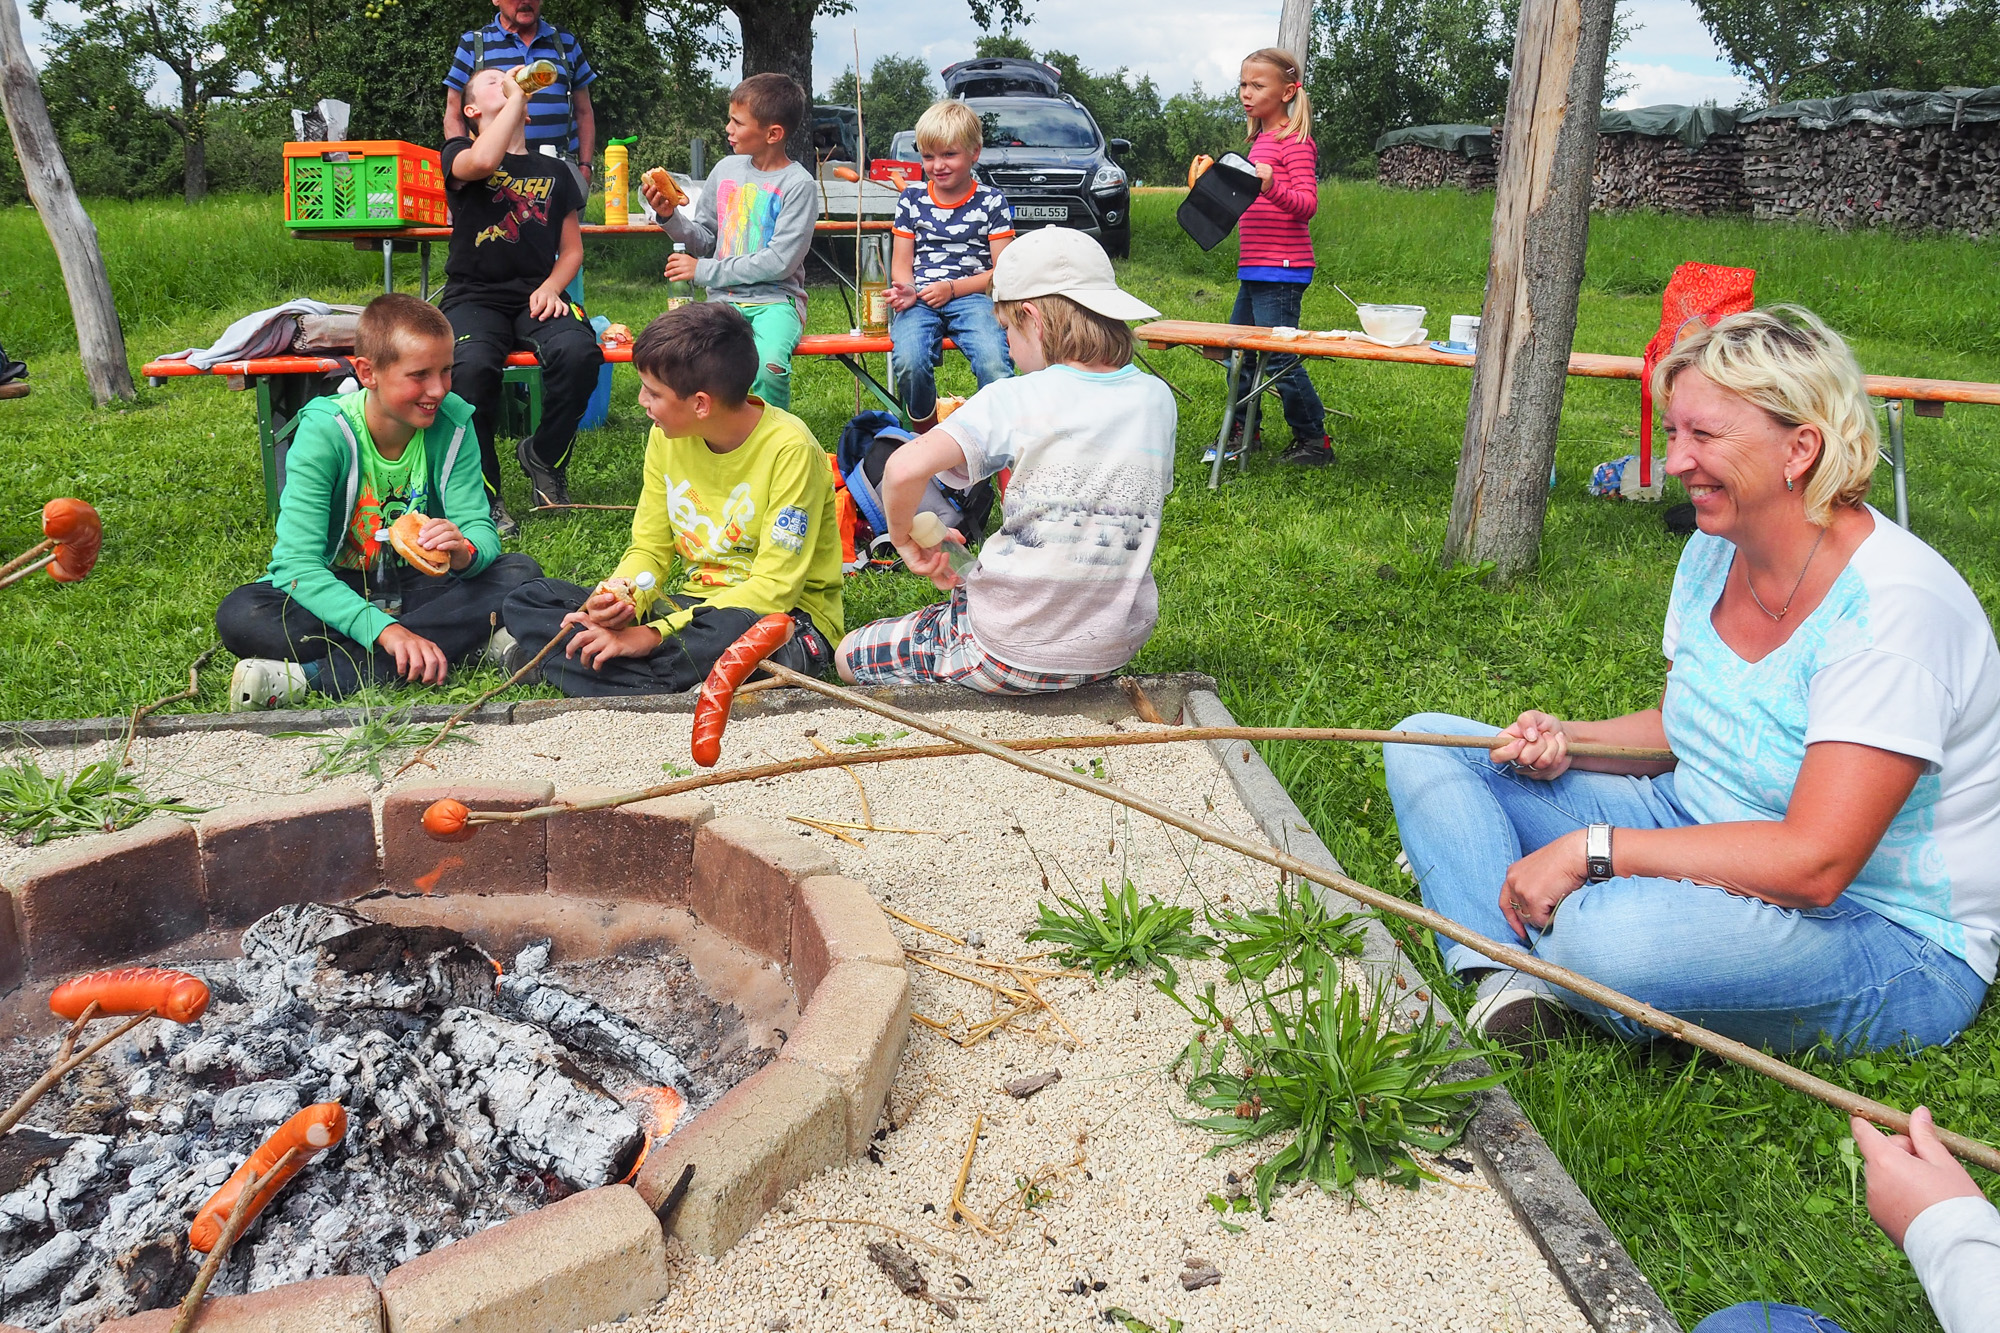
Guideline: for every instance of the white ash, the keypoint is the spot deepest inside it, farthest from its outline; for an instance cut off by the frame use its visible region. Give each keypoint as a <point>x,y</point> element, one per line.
<point>581,1022</point>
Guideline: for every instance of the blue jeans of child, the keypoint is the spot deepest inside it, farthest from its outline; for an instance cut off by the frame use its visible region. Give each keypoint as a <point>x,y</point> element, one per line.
<point>1765,975</point>
<point>1276,305</point>
<point>1758,1317</point>
<point>919,333</point>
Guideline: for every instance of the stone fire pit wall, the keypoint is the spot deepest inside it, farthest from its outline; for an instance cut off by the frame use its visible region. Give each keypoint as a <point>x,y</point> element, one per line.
<point>598,1255</point>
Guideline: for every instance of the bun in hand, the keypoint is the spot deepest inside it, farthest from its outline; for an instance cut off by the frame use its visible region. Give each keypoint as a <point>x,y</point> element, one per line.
<point>403,536</point>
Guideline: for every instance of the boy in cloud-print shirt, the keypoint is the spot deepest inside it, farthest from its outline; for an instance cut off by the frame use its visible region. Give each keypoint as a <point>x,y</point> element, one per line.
<point>948,232</point>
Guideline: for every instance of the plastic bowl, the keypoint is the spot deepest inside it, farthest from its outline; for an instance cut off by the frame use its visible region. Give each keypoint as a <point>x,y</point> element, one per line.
<point>1392,323</point>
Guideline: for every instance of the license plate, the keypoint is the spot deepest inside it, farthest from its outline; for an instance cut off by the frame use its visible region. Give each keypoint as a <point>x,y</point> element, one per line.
<point>1041,212</point>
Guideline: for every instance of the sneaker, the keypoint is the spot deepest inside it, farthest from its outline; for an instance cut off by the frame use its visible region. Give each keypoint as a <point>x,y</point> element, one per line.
<point>1236,447</point>
<point>503,522</point>
<point>515,658</point>
<point>259,683</point>
<point>1235,452</point>
<point>548,486</point>
<point>499,645</point>
<point>1516,1009</point>
<point>1311,453</point>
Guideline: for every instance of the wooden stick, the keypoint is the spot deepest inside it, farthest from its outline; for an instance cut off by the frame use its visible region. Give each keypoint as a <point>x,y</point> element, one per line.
<point>821,827</point>
<point>1017,996</point>
<point>1018,969</point>
<point>42,547</point>
<point>139,714</point>
<point>1107,740</point>
<point>867,815</point>
<point>477,704</point>
<point>64,1063</point>
<point>18,575</point>
<point>924,1245</point>
<point>928,930</point>
<point>830,824</point>
<point>239,1218</point>
<point>1971,1150</point>
<point>958,1211</point>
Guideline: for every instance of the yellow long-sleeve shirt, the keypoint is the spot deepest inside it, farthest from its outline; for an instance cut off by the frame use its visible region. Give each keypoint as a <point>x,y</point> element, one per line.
<point>754,526</point>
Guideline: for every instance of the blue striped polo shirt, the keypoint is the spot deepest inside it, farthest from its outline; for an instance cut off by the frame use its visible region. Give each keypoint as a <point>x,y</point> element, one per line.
<point>549,118</point>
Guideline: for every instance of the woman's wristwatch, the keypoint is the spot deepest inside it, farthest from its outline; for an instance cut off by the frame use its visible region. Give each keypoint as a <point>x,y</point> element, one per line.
<point>1597,853</point>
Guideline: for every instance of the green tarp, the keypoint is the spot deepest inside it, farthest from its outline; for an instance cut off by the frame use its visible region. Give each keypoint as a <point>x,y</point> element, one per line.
<point>1465,140</point>
<point>1889,106</point>
<point>1692,125</point>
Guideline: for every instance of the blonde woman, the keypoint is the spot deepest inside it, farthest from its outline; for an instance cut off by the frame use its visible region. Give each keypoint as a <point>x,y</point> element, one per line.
<point>1823,862</point>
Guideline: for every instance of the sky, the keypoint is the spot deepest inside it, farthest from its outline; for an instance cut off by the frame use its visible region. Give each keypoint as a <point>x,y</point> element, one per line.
<point>1181,42</point>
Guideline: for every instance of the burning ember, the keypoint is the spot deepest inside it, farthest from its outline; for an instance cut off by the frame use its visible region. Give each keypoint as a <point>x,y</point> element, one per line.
<point>471,1094</point>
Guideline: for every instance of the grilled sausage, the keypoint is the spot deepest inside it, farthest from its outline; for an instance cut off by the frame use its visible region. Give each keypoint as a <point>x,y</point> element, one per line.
<point>311,1131</point>
<point>731,669</point>
<point>175,996</point>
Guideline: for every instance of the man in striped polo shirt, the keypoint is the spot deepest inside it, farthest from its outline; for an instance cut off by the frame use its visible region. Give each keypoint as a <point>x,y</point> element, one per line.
<point>560,115</point>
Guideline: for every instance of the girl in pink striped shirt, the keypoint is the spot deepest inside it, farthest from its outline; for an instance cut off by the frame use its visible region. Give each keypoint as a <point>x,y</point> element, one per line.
<point>1275,257</point>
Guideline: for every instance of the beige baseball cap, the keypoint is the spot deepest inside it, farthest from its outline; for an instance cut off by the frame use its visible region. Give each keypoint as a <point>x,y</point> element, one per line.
<point>1056,261</point>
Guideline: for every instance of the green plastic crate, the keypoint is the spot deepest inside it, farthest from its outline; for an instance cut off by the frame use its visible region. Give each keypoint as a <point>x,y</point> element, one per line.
<point>363,183</point>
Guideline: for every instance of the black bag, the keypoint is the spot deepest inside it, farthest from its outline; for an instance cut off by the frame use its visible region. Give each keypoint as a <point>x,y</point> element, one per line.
<point>1218,200</point>
<point>865,445</point>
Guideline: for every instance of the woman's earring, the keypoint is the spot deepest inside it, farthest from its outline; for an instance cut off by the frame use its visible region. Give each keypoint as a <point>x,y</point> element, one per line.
<point>1788,482</point>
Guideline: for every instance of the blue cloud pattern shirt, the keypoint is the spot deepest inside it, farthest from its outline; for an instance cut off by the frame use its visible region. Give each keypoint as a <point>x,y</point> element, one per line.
<point>952,239</point>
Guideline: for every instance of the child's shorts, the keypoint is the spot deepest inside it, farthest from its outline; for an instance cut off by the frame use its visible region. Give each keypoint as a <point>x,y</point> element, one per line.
<point>935,646</point>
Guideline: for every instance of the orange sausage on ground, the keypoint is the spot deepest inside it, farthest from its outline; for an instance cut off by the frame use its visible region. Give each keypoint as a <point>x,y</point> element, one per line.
<point>311,1131</point>
<point>731,669</point>
<point>175,996</point>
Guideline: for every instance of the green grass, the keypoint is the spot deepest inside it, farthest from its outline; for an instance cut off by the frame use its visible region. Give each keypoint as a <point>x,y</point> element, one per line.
<point>1313,597</point>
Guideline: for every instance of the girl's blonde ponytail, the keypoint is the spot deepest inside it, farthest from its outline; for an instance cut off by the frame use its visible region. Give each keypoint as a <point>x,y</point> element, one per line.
<point>1298,122</point>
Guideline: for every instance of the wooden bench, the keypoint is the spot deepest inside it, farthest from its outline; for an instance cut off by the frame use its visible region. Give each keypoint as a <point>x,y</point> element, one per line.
<point>285,384</point>
<point>1244,343</point>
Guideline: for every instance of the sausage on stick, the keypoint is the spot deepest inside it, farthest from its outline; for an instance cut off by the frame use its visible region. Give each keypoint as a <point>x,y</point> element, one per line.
<point>172,995</point>
<point>731,669</point>
<point>304,1136</point>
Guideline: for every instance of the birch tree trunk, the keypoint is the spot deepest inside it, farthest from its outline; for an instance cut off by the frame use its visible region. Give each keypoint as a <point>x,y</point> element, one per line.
<point>1541,222</point>
<point>99,339</point>
<point>1295,31</point>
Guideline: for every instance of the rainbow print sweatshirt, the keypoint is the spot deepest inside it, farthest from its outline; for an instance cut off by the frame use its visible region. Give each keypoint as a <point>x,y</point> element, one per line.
<point>749,232</point>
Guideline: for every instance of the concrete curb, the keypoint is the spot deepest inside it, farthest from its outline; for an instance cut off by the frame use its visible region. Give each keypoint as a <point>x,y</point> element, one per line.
<point>1594,1268</point>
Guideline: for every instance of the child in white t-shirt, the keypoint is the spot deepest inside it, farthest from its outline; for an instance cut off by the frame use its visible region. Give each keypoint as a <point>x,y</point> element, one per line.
<point>1063,593</point>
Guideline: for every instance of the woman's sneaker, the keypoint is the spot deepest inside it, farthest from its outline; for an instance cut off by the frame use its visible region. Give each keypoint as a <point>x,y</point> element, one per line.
<point>259,683</point>
<point>1515,1009</point>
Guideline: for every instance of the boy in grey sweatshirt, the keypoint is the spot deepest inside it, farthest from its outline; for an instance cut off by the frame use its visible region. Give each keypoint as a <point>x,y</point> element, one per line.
<point>752,226</point>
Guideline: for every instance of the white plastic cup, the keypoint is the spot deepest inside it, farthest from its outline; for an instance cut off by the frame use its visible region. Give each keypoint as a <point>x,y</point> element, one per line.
<point>1465,331</point>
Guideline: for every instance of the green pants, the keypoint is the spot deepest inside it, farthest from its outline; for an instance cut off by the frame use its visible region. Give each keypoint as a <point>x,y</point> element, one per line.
<point>775,325</point>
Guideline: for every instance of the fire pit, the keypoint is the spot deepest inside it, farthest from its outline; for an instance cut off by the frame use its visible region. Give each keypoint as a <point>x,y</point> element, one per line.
<point>549,1045</point>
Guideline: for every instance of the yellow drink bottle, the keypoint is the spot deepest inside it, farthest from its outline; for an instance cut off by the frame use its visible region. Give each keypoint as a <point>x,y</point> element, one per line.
<point>537,76</point>
<point>618,182</point>
<point>874,285</point>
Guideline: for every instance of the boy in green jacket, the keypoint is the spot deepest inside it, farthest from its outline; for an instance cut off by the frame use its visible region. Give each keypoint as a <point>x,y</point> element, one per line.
<point>339,607</point>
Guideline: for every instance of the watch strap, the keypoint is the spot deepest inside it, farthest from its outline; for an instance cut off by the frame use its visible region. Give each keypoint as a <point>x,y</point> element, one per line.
<point>1597,852</point>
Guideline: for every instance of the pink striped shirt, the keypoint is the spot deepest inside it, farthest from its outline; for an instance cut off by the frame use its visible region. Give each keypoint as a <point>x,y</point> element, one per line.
<point>1273,232</point>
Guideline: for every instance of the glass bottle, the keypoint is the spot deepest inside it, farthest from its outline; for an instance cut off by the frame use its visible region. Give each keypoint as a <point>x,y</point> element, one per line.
<point>874,284</point>
<point>681,292</point>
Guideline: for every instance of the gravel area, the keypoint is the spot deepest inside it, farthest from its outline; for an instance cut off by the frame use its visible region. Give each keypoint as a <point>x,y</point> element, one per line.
<point>1125,1212</point>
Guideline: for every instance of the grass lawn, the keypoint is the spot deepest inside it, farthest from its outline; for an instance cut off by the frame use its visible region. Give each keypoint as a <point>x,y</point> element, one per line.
<point>1313,596</point>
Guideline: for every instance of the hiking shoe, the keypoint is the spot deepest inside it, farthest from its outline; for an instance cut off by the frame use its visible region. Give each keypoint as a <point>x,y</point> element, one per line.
<point>498,645</point>
<point>1515,1009</point>
<point>548,486</point>
<point>259,683</point>
<point>1311,453</point>
<point>504,522</point>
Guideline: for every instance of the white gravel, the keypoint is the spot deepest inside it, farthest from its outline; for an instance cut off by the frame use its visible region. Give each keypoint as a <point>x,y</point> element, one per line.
<point>1128,1183</point>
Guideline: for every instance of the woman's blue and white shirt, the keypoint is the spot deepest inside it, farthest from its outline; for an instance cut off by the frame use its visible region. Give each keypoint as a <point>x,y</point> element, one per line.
<point>1899,656</point>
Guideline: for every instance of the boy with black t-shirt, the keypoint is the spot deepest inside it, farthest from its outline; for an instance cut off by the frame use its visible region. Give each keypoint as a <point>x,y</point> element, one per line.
<point>516,242</point>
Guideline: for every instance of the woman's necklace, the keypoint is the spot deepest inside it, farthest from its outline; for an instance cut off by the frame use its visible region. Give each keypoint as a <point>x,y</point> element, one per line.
<point>1782,611</point>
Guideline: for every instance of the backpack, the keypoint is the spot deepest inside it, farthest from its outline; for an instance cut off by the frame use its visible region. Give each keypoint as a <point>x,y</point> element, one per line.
<point>866,443</point>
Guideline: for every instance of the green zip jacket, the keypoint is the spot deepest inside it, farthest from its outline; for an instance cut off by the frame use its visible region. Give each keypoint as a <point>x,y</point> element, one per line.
<point>322,483</point>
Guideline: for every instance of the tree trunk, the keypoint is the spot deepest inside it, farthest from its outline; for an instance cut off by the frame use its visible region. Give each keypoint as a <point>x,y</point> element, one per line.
<point>1541,222</point>
<point>1295,31</point>
<point>99,339</point>
<point>194,164</point>
<point>778,38</point>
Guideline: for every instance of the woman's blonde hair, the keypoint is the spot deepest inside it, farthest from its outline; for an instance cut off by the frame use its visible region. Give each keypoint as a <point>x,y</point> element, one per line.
<point>1072,333</point>
<point>1298,123</point>
<point>1785,360</point>
<point>949,124</point>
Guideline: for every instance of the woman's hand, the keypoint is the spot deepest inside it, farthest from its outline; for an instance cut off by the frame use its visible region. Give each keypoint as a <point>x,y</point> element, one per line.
<point>1907,1173</point>
<point>1538,882</point>
<point>1537,745</point>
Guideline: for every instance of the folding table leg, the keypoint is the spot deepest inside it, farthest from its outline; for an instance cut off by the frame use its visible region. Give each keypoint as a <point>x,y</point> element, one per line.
<point>1230,381</point>
<point>1896,461</point>
<point>388,265</point>
<point>424,269</point>
<point>1252,410</point>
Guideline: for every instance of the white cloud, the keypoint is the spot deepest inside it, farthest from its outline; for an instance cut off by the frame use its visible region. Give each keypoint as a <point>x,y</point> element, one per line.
<point>1653,85</point>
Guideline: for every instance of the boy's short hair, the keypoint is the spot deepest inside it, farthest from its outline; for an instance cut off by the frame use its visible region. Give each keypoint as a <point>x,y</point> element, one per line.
<point>949,124</point>
<point>774,99</point>
<point>703,347</point>
<point>391,322</point>
<point>1071,333</point>
<point>468,110</point>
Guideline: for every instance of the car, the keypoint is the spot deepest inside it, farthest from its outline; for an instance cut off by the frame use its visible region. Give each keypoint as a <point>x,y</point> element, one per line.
<point>836,133</point>
<point>1042,149</point>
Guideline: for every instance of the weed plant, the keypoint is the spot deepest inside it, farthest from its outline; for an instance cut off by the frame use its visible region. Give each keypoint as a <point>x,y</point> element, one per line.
<point>1126,936</point>
<point>1297,934</point>
<point>384,733</point>
<point>36,807</point>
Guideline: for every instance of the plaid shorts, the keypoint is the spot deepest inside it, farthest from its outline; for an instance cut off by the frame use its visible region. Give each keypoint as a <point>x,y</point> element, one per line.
<point>935,646</point>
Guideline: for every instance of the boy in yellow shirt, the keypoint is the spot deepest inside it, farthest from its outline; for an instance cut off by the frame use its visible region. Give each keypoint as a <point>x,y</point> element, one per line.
<point>738,489</point>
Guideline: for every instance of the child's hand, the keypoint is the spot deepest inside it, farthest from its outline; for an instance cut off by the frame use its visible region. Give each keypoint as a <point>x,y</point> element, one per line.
<point>931,562</point>
<point>1264,175</point>
<point>594,645</point>
<point>936,294</point>
<point>547,302</point>
<point>680,267</point>
<point>901,296</point>
<point>1908,1173</point>
<point>441,534</point>
<point>663,207</point>
<point>418,660</point>
<point>605,609</point>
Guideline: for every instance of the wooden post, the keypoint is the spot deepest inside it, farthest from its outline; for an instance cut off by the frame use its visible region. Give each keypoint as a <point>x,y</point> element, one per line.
<point>1295,31</point>
<point>98,337</point>
<point>1541,222</point>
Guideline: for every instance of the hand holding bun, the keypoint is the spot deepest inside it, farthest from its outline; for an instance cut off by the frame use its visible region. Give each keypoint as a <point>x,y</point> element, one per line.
<point>403,536</point>
<point>664,185</point>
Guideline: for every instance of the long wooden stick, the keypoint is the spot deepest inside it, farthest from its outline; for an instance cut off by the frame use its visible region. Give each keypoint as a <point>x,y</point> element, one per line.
<point>1971,1150</point>
<point>1103,740</point>
<point>239,1218</point>
<point>19,574</point>
<point>42,547</point>
<point>139,713</point>
<point>477,704</point>
<point>64,1063</point>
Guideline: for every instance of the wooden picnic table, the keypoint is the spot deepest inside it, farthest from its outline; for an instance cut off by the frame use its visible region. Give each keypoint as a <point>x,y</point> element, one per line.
<point>1242,341</point>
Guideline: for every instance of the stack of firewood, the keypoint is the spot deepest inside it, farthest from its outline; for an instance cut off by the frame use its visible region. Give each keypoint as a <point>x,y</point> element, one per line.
<point>1928,178</point>
<point>1643,171</point>
<point>1412,166</point>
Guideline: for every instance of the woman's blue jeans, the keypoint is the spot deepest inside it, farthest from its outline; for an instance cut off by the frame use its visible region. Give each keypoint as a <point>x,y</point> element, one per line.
<point>918,335</point>
<point>1276,305</point>
<point>1765,975</point>
<point>1758,1317</point>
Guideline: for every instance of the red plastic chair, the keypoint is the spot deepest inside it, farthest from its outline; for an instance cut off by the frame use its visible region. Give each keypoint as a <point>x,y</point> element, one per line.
<point>1696,291</point>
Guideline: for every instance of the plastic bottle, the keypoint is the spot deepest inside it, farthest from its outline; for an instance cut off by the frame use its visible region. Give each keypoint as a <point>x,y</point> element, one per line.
<point>618,182</point>
<point>928,531</point>
<point>681,292</point>
<point>537,76</point>
<point>874,285</point>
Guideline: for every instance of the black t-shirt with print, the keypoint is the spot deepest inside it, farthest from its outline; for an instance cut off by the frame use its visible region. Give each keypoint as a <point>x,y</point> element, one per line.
<point>506,229</point>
